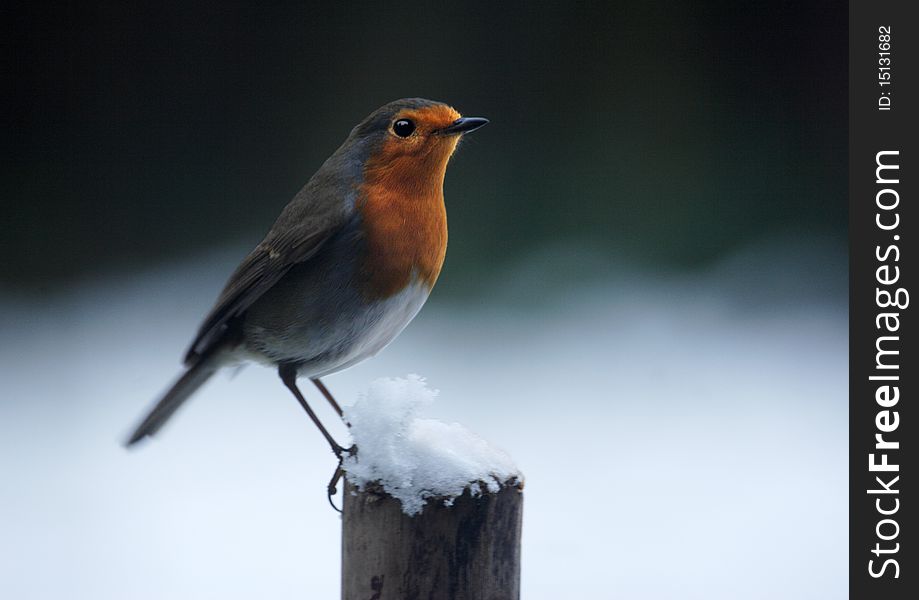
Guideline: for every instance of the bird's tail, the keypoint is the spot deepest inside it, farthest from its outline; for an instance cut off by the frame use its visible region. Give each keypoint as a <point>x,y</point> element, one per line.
<point>193,378</point>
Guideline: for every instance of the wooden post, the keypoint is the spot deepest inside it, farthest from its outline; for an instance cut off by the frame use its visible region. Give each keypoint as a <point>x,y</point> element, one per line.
<point>467,551</point>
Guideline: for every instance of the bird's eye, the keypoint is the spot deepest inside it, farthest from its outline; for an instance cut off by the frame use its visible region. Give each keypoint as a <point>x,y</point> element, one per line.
<point>403,128</point>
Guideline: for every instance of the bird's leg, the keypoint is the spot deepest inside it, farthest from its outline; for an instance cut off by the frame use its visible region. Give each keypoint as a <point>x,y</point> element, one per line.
<point>288,373</point>
<point>328,395</point>
<point>336,477</point>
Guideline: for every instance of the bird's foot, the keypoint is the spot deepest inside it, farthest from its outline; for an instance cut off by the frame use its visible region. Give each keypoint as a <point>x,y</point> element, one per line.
<point>332,488</point>
<point>333,485</point>
<point>340,451</point>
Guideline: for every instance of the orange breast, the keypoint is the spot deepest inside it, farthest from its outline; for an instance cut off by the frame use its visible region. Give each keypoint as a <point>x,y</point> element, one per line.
<point>405,221</point>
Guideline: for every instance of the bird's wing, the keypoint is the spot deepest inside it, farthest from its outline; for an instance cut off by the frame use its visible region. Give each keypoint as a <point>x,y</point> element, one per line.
<point>298,234</point>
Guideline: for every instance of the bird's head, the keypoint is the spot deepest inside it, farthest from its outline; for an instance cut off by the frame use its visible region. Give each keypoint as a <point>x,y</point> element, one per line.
<point>411,139</point>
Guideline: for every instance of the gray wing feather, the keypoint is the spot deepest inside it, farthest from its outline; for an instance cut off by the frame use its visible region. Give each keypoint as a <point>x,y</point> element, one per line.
<point>311,218</point>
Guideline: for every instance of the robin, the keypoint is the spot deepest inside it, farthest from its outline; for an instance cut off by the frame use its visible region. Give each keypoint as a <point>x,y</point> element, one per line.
<point>346,266</point>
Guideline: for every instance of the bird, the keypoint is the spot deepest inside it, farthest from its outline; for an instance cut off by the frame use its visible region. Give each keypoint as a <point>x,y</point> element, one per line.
<point>346,266</point>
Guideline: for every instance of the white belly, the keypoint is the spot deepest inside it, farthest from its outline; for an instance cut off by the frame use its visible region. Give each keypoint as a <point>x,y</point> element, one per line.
<point>376,328</point>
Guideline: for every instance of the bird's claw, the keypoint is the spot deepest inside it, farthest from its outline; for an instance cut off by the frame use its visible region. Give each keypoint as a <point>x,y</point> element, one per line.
<point>341,451</point>
<point>332,488</point>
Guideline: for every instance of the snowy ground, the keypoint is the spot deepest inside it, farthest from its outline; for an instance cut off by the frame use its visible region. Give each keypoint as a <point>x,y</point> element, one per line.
<point>681,437</point>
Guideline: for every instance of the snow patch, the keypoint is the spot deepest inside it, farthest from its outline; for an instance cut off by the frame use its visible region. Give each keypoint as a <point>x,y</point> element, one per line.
<point>417,459</point>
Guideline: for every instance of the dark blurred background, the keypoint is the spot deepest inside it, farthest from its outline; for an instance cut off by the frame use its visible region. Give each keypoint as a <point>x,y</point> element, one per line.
<point>666,133</point>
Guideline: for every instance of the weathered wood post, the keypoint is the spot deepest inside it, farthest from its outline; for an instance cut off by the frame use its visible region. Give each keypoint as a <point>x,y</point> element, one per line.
<point>469,550</point>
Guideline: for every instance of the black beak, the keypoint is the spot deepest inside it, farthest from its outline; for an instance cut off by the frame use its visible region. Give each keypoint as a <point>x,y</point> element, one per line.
<point>464,125</point>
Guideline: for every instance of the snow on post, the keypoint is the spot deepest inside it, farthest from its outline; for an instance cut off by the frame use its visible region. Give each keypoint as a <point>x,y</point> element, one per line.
<point>431,510</point>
